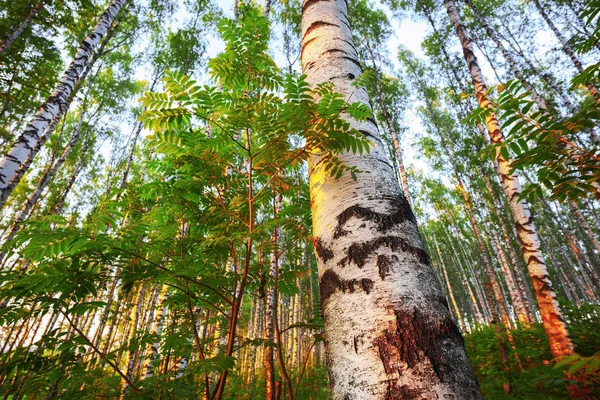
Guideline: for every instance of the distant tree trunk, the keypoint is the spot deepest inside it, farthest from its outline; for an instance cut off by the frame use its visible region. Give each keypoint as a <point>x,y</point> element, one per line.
<point>447,279</point>
<point>515,294</point>
<point>271,314</point>
<point>41,185</point>
<point>512,63</point>
<point>523,288</point>
<point>153,352</point>
<point>584,225</point>
<point>58,208</point>
<point>554,324</point>
<point>567,48</point>
<point>10,38</point>
<point>479,317</point>
<point>388,331</point>
<point>391,128</point>
<point>27,144</point>
<point>495,286</point>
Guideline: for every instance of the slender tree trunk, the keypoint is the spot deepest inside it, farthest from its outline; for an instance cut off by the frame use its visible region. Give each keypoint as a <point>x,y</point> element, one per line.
<point>41,185</point>
<point>5,45</point>
<point>584,225</point>
<point>27,145</point>
<point>567,48</point>
<point>58,208</point>
<point>523,288</point>
<point>479,317</point>
<point>271,314</point>
<point>391,128</point>
<point>447,279</point>
<point>388,331</point>
<point>554,324</point>
<point>136,312</point>
<point>512,63</point>
<point>153,351</point>
<point>515,295</point>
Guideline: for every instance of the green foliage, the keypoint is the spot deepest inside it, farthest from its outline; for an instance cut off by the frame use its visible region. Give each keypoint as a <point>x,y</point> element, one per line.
<point>566,162</point>
<point>542,377</point>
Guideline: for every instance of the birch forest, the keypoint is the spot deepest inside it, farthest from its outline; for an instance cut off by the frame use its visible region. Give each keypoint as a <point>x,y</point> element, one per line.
<point>299,199</point>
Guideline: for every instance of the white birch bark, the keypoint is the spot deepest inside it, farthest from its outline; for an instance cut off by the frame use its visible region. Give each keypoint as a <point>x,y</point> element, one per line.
<point>25,147</point>
<point>153,352</point>
<point>388,331</point>
<point>552,318</point>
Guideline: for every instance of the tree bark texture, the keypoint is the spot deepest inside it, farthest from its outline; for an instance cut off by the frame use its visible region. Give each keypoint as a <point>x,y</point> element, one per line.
<point>388,331</point>
<point>554,324</point>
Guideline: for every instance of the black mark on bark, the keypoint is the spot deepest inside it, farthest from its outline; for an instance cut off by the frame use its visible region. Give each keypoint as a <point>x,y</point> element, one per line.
<point>331,283</point>
<point>383,265</point>
<point>310,3</point>
<point>323,252</point>
<point>385,221</point>
<point>354,61</point>
<point>360,252</point>
<point>317,25</point>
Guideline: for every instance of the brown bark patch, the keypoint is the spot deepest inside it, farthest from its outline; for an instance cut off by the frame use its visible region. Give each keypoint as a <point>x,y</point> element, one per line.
<point>360,252</point>
<point>542,284</point>
<point>323,252</point>
<point>415,339</point>
<point>384,221</point>
<point>331,283</point>
<point>395,392</point>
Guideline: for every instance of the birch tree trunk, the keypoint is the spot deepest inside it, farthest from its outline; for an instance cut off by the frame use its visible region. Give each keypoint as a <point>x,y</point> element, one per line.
<point>552,318</point>
<point>25,147</point>
<point>584,225</point>
<point>41,185</point>
<point>512,63</point>
<point>388,331</point>
<point>18,31</point>
<point>447,279</point>
<point>567,48</point>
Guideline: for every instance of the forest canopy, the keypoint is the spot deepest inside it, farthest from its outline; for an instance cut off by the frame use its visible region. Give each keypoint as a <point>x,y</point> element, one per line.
<point>282,200</point>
